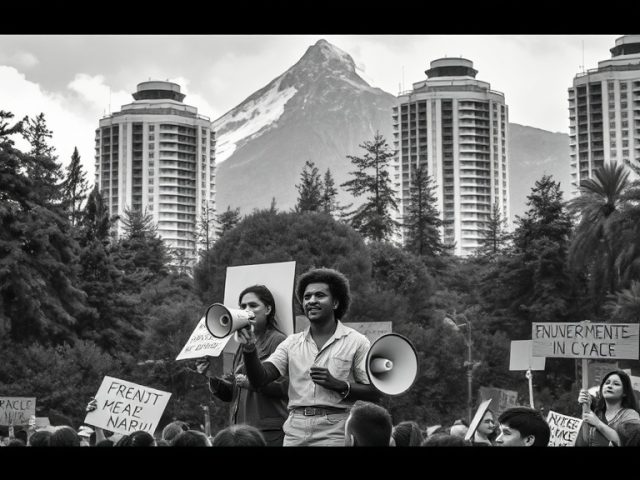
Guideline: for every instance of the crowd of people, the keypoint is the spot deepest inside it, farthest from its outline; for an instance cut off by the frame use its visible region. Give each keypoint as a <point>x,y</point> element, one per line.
<point>311,388</point>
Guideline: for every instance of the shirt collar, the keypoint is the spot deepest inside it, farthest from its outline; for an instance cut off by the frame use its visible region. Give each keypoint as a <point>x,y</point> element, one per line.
<point>341,331</point>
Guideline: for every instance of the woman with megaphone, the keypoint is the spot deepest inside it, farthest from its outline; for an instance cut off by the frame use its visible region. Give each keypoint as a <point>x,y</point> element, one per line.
<point>266,407</point>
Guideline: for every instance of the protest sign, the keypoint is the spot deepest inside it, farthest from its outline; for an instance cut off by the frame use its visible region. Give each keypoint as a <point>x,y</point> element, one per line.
<point>277,277</point>
<point>521,357</point>
<point>372,330</point>
<point>124,407</point>
<point>585,340</point>
<point>597,370</point>
<point>201,343</point>
<point>501,399</point>
<point>564,429</point>
<point>16,410</point>
<point>477,418</point>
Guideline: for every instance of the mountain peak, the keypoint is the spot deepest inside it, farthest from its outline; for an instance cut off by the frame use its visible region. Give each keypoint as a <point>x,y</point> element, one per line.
<point>323,53</point>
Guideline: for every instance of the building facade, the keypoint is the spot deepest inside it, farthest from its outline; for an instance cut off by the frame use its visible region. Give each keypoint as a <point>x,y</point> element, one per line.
<point>604,112</point>
<point>157,155</point>
<point>456,127</point>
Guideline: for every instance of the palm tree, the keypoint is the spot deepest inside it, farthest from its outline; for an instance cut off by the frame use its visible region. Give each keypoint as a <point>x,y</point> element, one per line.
<point>624,306</point>
<point>596,243</point>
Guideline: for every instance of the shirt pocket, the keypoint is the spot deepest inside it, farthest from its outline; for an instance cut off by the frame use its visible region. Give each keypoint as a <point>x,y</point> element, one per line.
<point>340,367</point>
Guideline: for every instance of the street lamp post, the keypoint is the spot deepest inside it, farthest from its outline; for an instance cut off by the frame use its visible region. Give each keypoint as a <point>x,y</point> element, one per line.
<point>469,363</point>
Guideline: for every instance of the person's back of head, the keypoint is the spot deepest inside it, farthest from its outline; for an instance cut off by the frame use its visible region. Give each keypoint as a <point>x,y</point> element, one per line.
<point>105,443</point>
<point>407,434</point>
<point>444,440</point>
<point>140,438</point>
<point>191,438</point>
<point>368,425</point>
<point>629,433</point>
<point>173,429</point>
<point>40,438</point>
<point>529,423</point>
<point>22,435</point>
<point>16,442</point>
<point>239,436</point>
<point>64,436</point>
<point>458,430</point>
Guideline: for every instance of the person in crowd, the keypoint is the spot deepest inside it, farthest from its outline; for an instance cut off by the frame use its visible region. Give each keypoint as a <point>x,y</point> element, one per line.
<point>407,434</point>
<point>443,439</point>
<point>39,438</point>
<point>522,427</point>
<point>173,429</point>
<point>615,405</point>
<point>107,442</point>
<point>265,407</point>
<point>139,438</point>
<point>325,363</point>
<point>64,436</point>
<point>16,442</point>
<point>191,438</point>
<point>485,433</point>
<point>368,425</point>
<point>629,433</point>
<point>239,436</point>
<point>459,428</point>
<point>85,433</point>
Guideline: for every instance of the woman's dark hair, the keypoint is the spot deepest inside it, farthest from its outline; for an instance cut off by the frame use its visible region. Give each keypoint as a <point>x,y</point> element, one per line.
<point>628,397</point>
<point>105,443</point>
<point>64,436</point>
<point>338,287</point>
<point>265,296</point>
<point>190,438</point>
<point>139,438</point>
<point>239,435</point>
<point>407,434</point>
<point>40,438</point>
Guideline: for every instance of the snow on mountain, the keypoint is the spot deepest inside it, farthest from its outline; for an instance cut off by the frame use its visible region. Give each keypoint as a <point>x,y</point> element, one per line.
<point>253,118</point>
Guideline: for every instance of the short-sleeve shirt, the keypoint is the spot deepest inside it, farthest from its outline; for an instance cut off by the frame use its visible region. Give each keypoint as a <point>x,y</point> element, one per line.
<point>344,354</point>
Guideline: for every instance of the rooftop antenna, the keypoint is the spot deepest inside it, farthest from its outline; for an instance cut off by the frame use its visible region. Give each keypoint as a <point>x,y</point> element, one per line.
<point>403,78</point>
<point>109,99</point>
<point>582,66</point>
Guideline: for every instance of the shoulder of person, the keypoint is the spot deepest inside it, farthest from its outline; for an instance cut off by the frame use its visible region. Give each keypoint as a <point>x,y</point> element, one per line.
<point>630,413</point>
<point>356,335</point>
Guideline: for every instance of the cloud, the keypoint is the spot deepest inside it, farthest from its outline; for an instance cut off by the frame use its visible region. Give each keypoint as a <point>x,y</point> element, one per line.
<point>97,95</point>
<point>70,128</point>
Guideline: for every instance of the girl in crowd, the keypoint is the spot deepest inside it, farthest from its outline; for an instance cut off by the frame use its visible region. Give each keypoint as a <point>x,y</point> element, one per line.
<point>485,434</point>
<point>615,405</point>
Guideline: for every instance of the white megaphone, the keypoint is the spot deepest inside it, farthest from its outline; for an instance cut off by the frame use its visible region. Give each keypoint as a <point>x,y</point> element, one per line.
<point>222,321</point>
<point>392,364</point>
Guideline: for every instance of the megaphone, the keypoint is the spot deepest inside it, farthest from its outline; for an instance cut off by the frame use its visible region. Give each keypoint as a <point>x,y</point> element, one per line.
<point>222,321</point>
<point>392,364</point>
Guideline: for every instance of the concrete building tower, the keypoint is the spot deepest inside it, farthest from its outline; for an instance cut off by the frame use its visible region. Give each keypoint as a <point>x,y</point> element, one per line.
<point>157,155</point>
<point>604,112</point>
<point>456,127</point>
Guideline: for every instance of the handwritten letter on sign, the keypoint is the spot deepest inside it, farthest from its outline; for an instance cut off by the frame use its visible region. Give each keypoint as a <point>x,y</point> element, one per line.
<point>590,340</point>
<point>124,407</point>
<point>564,429</point>
<point>16,410</point>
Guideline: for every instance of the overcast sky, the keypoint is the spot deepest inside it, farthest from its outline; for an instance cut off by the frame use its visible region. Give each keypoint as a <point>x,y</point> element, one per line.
<point>76,79</point>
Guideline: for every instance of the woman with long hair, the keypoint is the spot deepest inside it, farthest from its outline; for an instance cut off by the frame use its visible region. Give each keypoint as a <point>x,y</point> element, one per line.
<point>615,405</point>
<point>264,408</point>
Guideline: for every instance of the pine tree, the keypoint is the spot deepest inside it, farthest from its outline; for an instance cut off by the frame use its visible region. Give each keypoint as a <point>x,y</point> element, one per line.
<point>422,222</point>
<point>227,220</point>
<point>6,130</point>
<point>329,193</point>
<point>373,219</point>
<point>42,166</point>
<point>141,248</point>
<point>39,294</point>
<point>309,189</point>
<point>75,187</point>
<point>494,235</point>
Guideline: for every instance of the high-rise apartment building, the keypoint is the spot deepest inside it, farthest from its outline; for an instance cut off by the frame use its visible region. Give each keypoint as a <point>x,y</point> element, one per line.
<point>604,112</point>
<point>157,155</point>
<point>456,127</point>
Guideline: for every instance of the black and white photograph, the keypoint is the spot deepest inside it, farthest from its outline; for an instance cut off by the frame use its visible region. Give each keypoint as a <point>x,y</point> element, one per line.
<point>307,240</point>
